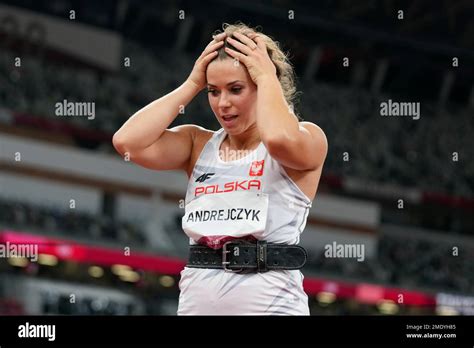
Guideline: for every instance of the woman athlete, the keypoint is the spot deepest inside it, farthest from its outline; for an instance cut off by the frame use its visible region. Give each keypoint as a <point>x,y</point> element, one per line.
<point>251,183</point>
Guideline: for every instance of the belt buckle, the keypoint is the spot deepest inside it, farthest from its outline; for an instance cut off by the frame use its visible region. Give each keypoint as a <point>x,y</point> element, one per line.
<point>224,259</point>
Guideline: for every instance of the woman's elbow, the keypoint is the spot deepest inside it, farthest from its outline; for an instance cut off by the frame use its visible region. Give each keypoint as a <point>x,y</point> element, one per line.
<point>119,143</point>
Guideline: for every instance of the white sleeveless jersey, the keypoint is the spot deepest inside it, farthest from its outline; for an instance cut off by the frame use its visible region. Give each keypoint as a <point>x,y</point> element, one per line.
<point>247,196</point>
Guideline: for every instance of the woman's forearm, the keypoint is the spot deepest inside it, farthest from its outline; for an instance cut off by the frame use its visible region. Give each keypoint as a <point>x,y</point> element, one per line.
<point>147,125</point>
<point>274,119</point>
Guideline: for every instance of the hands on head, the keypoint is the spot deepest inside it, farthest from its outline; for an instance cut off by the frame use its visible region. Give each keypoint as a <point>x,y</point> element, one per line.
<point>250,49</point>
<point>198,74</point>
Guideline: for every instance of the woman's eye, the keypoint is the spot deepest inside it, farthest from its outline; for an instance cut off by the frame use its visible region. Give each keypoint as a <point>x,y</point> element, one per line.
<point>236,89</point>
<point>212,91</point>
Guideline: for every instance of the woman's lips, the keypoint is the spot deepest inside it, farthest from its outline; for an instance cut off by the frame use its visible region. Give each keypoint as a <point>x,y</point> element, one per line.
<point>229,119</point>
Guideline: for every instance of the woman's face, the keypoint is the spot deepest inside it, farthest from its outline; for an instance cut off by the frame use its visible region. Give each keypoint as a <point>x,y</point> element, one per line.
<point>231,93</point>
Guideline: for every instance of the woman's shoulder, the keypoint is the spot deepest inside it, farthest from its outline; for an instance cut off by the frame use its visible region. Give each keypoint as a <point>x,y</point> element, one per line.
<point>202,134</point>
<point>195,132</point>
<point>201,137</point>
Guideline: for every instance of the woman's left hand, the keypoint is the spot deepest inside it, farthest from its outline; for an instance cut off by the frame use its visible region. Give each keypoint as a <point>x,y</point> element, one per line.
<point>253,53</point>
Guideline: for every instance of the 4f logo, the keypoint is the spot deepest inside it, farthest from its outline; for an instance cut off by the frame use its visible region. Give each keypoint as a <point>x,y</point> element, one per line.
<point>204,177</point>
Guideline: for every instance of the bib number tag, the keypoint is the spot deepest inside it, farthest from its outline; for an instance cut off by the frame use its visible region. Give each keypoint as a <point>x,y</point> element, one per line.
<point>234,214</point>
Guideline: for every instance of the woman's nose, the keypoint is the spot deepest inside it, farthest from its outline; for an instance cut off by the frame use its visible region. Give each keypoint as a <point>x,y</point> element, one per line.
<point>224,101</point>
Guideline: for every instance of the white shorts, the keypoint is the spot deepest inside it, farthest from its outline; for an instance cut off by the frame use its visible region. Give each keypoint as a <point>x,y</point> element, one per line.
<point>216,292</point>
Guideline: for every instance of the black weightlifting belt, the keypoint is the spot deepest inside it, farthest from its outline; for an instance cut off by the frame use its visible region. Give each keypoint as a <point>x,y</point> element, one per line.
<point>245,257</point>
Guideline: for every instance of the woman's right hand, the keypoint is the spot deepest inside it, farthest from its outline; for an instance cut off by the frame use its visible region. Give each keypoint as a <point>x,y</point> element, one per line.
<point>198,74</point>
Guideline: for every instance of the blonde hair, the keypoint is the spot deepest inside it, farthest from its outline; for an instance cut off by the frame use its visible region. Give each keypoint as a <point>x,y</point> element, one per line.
<point>284,70</point>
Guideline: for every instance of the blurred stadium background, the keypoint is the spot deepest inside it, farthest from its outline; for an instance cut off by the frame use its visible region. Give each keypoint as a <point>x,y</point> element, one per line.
<point>109,233</point>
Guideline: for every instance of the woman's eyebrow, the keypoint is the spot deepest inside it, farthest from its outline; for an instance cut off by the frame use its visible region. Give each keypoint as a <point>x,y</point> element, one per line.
<point>230,83</point>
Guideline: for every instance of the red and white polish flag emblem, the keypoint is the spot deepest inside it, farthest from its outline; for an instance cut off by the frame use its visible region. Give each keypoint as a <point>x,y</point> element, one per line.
<point>256,169</point>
